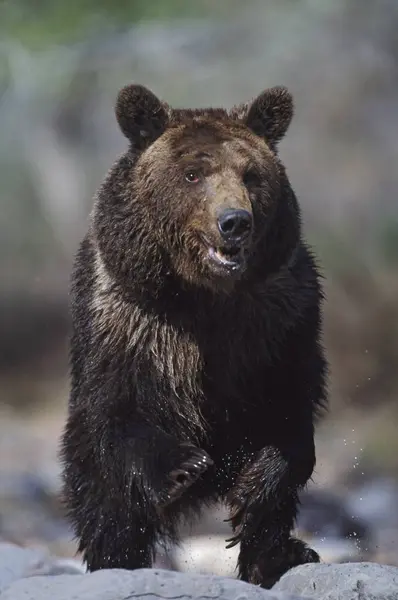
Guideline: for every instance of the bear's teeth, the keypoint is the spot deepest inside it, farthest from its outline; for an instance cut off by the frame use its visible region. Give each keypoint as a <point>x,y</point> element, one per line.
<point>230,252</point>
<point>231,261</point>
<point>224,257</point>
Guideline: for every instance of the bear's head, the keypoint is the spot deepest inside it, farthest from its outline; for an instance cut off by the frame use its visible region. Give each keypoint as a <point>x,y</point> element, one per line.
<point>201,195</point>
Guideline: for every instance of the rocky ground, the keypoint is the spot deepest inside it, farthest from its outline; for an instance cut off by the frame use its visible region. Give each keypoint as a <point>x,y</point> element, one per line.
<point>31,575</point>
<point>343,520</point>
<point>346,521</point>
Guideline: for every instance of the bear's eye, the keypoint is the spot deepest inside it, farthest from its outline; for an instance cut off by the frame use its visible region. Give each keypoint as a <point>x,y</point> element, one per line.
<point>251,179</point>
<point>192,177</point>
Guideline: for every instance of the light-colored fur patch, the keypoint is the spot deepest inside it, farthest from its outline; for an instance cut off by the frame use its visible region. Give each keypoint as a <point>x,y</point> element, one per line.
<point>174,354</point>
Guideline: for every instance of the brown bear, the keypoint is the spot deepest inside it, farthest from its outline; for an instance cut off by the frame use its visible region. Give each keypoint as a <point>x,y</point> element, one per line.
<point>197,368</point>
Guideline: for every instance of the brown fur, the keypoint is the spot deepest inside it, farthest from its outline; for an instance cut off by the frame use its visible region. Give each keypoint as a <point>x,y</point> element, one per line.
<point>195,376</point>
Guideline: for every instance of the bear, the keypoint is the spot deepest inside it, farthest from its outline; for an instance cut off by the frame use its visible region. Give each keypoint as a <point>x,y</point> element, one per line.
<point>197,367</point>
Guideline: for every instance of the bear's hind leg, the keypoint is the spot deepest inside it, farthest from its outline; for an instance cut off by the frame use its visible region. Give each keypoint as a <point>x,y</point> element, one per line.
<point>264,505</point>
<point>117,484</point>
<point>113,540</point>
<point>268,550</point>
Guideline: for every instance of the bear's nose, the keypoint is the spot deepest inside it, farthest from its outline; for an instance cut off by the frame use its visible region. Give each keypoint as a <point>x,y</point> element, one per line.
<point>234,224</point>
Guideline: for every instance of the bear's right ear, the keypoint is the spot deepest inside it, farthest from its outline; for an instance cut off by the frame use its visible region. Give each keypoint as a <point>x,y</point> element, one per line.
<point>141,116</point>
<point>270,114</point>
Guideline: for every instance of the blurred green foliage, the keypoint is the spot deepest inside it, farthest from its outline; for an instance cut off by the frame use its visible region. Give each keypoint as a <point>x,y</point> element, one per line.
<point>38,23</point>
<point>388,241</point>
<point>338,56</point>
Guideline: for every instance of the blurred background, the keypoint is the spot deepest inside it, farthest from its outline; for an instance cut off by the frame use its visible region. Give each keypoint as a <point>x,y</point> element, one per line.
<point>61,66</point>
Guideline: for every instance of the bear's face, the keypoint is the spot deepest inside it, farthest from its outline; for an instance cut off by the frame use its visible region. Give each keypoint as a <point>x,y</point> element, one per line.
<point>209,179</point>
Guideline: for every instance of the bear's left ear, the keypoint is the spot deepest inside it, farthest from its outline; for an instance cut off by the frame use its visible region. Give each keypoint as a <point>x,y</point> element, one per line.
<point>269,115</point>
<point>141,116</point>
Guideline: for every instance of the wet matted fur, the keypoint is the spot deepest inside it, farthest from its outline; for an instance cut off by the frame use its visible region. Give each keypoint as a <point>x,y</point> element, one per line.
<point>197,369</point>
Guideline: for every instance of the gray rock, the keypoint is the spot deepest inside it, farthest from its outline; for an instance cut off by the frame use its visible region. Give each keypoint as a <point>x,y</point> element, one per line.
<point>17,563</point>
<point>327,515</point>
<point>59,566</point>
<point>375,503</point>
<point>145,584</point>
<point>350,581</point>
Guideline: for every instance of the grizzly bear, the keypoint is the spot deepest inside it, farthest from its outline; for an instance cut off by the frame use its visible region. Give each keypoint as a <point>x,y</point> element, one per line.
<point>197,366</point>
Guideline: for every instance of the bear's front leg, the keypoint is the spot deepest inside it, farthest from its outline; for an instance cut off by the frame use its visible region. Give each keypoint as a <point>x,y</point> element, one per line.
<point>117,481</point>
<point>263,505</point>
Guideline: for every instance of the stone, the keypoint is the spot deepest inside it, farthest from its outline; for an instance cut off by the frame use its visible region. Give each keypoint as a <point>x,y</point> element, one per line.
<point>328,515</point>
<point>348,581</point>
<point>18,563</point>
<point>142,584</point>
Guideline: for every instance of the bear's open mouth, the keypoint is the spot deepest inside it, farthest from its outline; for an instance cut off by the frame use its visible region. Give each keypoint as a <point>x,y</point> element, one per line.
<point>231,258</point>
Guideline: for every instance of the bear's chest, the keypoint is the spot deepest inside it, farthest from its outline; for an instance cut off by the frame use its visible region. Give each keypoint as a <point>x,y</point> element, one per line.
<point>236,347</point>
<point>239,368</point>
<point>243,377</point>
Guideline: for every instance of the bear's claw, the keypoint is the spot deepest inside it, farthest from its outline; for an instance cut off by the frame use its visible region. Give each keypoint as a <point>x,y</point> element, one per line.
<point>193,465</point>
